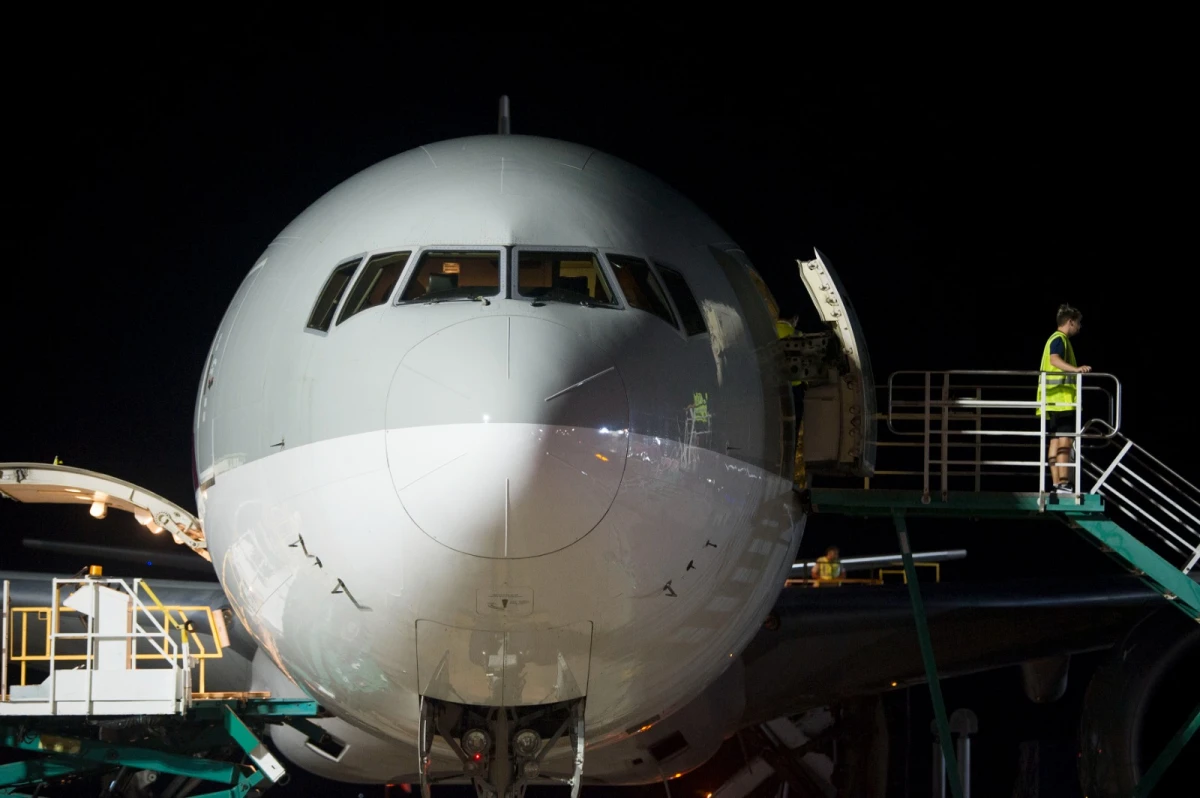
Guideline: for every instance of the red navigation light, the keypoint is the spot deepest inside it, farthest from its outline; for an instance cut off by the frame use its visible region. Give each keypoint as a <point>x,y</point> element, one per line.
<point>477,757</point>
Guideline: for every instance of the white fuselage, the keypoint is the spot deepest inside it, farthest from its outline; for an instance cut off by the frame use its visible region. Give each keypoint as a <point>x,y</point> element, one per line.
<point>502,502</point>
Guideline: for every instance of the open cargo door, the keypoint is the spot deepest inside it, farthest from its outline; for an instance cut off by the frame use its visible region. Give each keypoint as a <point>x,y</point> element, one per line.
<point>839,398</point>
<point>51,483</point>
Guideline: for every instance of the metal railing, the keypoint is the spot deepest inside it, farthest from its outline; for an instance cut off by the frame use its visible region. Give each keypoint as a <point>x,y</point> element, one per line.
<point>135,633</point>
<point>4,613</point>
<point>1149,493</point>
<point>974,427</point>
<point>167,629</point>
<point>976,424</point>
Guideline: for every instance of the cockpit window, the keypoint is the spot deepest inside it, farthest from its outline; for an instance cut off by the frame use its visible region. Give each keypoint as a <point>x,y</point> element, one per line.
<point>563,277</point>
<point>331,294</point>
<point>443,274</point>
<point>641,288</point>
<point>685,301</point>
<point>375,284</point>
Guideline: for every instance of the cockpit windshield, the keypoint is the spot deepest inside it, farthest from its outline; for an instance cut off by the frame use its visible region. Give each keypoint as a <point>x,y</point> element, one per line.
<point>445,274</point>
<point>642,290</point>
<point>375,284</point>
<point>572,277</point>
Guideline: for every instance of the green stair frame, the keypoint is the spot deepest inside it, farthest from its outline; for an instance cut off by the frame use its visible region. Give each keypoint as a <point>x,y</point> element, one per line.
<point>1085,514</point>
<point>70,749</point>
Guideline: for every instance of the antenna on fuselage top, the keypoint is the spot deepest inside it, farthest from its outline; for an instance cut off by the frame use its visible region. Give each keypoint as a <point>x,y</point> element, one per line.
<point>505,116</point>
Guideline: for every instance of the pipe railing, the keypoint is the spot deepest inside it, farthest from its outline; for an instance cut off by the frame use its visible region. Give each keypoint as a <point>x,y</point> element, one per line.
<point>964,417</point>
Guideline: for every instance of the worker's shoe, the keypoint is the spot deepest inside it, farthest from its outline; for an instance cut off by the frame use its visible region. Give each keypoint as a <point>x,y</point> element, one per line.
<point>1063,487</point>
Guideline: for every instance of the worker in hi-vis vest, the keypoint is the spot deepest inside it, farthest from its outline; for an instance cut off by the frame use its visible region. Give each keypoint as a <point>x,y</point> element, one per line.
<point>1058,360</point>
<point>829,566</point>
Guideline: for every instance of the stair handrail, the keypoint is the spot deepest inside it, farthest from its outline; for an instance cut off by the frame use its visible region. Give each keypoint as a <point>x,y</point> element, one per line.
<point>1188,493</point>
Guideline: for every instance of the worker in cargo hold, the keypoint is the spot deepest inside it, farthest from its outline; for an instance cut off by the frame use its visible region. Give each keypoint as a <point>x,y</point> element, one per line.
<point>829,566</point>
<point>1058,360</point>
<point>785,328</point>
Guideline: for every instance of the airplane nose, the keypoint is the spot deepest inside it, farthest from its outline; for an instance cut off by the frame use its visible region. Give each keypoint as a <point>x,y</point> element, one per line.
<point>506,435</point>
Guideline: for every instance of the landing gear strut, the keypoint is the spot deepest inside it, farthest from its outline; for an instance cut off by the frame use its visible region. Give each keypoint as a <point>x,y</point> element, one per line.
<point>502,749</point>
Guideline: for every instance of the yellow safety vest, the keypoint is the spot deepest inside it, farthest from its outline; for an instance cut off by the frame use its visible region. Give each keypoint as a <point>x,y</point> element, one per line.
<point>1060,388</point>
<point>827,569</point>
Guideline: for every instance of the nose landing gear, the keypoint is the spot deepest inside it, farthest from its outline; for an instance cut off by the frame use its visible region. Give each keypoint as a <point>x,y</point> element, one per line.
<point>504,749</point>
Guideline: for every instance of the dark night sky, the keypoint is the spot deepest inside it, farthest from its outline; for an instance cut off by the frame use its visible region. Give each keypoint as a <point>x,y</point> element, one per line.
<point>961,196</point>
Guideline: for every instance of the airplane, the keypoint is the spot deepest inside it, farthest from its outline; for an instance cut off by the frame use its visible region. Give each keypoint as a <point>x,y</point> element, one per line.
<point>493,458</point>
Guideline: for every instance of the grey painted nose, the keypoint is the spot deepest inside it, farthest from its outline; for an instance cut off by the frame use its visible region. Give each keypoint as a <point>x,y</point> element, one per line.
<point>506,435</point>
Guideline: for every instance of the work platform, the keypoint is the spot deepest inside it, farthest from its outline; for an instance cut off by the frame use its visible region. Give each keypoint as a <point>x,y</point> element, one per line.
<point>974,444</point>
<point>957,444</point>
<point>128,673</point>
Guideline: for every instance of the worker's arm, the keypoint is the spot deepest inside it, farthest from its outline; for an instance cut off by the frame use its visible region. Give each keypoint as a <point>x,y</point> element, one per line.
<point>1059,363</point>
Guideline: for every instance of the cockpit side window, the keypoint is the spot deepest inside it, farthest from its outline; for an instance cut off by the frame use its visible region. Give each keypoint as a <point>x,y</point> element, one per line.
<point>685,300</point>
<point>375,284</point>
<point>641,288</point>
<point>572,277</point>
<point>331,295</point>
<point>459,274</point>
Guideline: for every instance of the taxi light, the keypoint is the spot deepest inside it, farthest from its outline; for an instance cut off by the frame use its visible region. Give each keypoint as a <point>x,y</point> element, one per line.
<point>154,528</point>
<point>527,742</point>
<point>99,510</point>
<point>475,742</point>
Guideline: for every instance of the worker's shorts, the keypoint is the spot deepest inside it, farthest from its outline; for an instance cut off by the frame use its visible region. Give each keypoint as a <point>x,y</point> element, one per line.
<point>1060,424</point>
